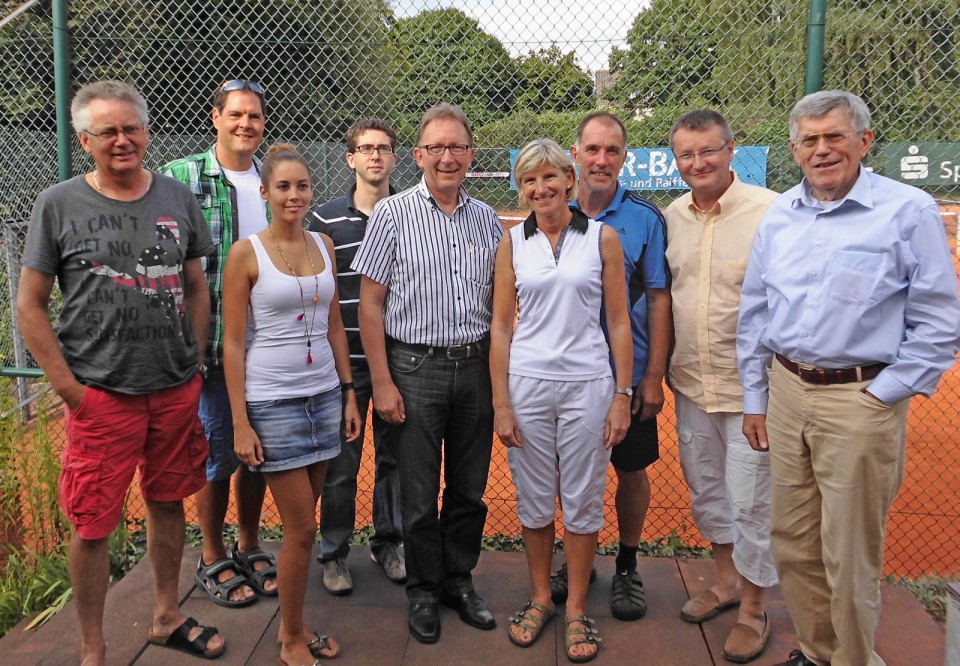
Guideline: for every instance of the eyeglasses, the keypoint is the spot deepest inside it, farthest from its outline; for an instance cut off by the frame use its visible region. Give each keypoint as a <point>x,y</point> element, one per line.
<point>436,149</point>
<point>368,148</point>
<point>707,154</point>
<point>833,139</point>
<point>111,134</point>
<point>241,84</point>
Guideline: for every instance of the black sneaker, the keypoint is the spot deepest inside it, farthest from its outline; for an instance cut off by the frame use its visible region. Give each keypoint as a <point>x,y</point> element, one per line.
<point>627,601</point>
<point>558,583</point>
<point>797,658</point>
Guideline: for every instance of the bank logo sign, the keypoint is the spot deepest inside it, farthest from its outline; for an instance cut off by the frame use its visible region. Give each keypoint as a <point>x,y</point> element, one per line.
<point>929,164</point>
<point>656,169</point>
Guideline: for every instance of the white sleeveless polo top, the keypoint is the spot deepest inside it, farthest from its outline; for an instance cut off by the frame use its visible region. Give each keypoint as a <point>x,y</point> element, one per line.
<point>558,334</point>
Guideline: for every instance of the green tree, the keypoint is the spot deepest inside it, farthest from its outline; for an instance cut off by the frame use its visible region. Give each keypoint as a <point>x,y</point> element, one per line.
<point>322,64</point>
<point>747,58</point>
<point>444,56</point>
<point>551,81</point>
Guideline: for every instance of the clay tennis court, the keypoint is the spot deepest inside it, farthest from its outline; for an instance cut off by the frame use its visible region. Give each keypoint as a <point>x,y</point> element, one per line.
<point>923,530</point>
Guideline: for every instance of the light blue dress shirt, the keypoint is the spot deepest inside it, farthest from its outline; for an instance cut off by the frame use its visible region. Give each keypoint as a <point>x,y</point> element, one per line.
<point>867,279</point>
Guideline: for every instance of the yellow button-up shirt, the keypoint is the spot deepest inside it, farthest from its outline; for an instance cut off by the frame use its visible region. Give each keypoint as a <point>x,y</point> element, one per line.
<point>707,252</point>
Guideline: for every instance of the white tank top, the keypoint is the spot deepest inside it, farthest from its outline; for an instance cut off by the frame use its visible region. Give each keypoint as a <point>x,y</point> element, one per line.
<point>277,365</point>
<point>558,334</point>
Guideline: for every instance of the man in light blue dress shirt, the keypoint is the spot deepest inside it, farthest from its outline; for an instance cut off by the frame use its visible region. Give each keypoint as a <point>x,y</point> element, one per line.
<point>849,308</point>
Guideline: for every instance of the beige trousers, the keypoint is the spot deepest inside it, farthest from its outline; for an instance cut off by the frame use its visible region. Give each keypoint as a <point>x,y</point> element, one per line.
<point>836,457</point>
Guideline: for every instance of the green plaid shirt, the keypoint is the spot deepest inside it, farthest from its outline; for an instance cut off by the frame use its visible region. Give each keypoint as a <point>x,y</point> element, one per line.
<point>218,200</point>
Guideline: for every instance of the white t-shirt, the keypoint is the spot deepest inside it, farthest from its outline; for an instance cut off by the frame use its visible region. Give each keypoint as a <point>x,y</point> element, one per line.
<point>251,208</point>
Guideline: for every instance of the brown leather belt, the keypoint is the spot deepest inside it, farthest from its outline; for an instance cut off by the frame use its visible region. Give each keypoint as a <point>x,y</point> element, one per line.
<point>814,375</point>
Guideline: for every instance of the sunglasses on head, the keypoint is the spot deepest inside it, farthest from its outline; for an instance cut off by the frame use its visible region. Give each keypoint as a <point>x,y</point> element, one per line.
<point>242,84</point>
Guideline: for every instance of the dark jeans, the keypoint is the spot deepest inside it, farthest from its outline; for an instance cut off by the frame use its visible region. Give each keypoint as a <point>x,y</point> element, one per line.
<point>338,503</point>
<point>449,417</point>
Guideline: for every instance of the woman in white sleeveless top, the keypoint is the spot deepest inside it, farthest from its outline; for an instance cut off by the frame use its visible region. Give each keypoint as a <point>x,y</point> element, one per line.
<point>553,387</point>
<point>287,365</point>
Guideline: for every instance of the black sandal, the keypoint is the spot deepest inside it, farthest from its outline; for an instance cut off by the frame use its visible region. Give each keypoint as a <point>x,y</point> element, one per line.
<point>219,591</point>
<point>254,576</point>
<point>179,639</point>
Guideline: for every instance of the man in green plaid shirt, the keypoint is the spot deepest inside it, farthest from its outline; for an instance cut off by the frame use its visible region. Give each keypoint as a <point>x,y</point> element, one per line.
<point>226,182</point>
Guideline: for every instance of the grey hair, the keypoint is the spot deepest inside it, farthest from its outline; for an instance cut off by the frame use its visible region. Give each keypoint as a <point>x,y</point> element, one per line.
<point>444,110</point>
<point>537,153</point>
<point>818,104</point>
<point>700,120</point>
<point>108,90</point>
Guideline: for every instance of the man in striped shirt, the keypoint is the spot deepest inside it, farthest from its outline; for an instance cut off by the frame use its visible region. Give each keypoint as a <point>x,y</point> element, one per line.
<point>371,153</point>
<point>426,300</point>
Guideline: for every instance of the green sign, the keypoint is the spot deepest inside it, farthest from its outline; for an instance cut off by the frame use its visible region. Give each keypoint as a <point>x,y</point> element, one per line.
<point>921,164</point>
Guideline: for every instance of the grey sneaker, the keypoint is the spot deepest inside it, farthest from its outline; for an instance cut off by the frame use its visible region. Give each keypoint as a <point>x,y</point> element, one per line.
<point>392,562</point>
<point>336,576</point>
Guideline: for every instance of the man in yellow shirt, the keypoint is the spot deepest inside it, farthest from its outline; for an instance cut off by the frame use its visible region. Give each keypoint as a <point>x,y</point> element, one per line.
<point>710,233</point>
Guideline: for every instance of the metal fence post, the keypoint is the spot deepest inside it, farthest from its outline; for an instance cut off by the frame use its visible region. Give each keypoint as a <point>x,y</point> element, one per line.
<point>816,27</point>
<point>61,76</point>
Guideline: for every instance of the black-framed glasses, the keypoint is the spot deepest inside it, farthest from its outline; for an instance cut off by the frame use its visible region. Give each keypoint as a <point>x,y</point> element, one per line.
<point>707,154</point>
<point>241,84</point>
<point>435,149</point>
<point>368,148</point>
<point>112,133</point>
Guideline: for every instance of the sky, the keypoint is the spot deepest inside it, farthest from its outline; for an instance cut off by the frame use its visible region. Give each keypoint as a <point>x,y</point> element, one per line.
<point>593,28</point>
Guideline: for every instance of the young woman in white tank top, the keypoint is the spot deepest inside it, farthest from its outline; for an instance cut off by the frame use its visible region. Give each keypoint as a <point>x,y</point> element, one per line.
<point>285,386</point>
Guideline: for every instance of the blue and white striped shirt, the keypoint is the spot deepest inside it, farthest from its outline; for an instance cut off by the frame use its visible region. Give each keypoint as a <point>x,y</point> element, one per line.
<point>438,269</point>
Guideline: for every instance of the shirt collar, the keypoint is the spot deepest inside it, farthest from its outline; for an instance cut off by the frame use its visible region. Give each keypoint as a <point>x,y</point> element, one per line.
<point>462,196</point>
<point>618,198</point>
<point>577,223</point>
<point>352,192</point>
<point>727,201</point>
<point>861,193</point>
<point>212,166</point>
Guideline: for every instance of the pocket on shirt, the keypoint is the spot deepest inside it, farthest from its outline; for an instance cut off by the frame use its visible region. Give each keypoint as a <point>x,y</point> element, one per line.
<point>731,280</point>
<point>853,277</point>
<point>207,204</point>
<point>479,266</point>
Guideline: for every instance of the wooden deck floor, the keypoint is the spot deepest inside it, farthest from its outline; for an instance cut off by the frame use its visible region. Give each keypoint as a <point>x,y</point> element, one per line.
<point>370,624</point>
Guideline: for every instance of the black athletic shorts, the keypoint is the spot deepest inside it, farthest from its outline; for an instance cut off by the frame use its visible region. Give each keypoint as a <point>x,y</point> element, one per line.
<point>639,449</point>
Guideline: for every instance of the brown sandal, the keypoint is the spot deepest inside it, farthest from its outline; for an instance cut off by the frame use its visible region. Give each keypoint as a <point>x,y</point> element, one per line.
<point>532,622</point>
<point>585,634</point>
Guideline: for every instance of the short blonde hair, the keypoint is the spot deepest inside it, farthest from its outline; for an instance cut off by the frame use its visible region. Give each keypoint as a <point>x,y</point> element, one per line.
<point>537,153</point>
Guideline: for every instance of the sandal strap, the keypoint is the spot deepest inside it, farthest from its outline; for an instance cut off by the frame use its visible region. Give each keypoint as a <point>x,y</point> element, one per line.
<point>208,573</point>
<point>527,620</point>
<point>586,633</point>
<point>217,567</point>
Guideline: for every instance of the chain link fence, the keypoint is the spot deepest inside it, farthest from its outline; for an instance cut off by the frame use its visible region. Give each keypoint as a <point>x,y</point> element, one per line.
<point>521,70</point>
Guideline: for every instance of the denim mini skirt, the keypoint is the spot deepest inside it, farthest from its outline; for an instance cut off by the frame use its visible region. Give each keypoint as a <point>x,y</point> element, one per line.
<point>296,432</point>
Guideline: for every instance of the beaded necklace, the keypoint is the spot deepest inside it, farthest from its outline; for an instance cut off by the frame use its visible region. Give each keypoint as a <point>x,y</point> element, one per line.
<point>307,332</point>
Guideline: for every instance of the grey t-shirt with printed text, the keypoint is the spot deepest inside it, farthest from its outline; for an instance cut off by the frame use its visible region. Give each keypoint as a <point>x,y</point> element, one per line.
<point>119,265</point>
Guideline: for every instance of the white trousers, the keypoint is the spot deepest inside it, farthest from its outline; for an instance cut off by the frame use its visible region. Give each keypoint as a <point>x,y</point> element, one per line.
<point>729,487</point>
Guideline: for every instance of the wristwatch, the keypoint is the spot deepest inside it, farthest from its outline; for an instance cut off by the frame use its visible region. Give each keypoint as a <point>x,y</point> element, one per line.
<point>624,391</point>
<point>203,370</point>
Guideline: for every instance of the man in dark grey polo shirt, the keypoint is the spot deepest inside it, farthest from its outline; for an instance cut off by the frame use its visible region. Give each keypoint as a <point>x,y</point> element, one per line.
<point>371,146</point>
<point>426,302</point>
